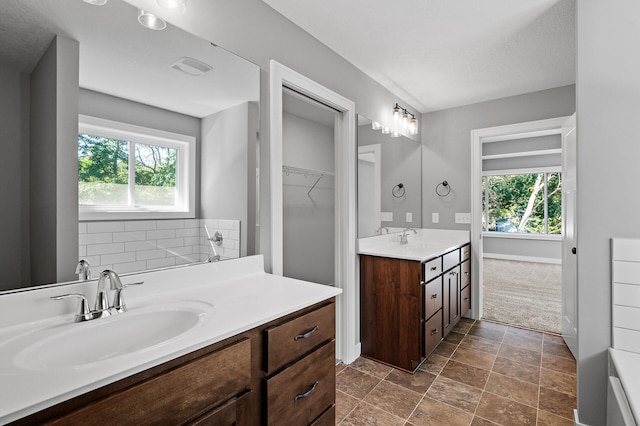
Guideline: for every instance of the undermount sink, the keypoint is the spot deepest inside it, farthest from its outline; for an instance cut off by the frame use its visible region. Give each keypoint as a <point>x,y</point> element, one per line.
<point>79,344</point>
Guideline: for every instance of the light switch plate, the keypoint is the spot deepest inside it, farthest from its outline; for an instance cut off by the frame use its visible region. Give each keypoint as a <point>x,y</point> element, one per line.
<point>386,216</point>
<point>409,217</point>
<point>435,217</point>
<point>463,217</point>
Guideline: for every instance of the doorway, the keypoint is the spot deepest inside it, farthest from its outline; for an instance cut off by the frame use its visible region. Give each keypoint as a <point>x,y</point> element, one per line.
<point>344,230</point>
<point>516,222</point>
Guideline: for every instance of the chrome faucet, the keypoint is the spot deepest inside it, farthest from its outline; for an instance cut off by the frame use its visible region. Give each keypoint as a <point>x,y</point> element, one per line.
<point>83,269</point>
<point>379,230</point>
<point>101,308</point>
<point>403,237</point>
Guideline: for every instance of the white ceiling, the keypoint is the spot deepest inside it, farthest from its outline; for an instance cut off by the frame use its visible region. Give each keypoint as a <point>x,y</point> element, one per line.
<point>438,54</point>
<point>121,58</point>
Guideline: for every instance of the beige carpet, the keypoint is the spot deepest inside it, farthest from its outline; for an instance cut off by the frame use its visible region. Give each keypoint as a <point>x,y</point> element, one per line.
<point>525,294</point>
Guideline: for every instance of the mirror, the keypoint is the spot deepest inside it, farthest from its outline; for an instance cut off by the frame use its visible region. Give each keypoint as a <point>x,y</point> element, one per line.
<point>389,182</point>
<point>129,74</point>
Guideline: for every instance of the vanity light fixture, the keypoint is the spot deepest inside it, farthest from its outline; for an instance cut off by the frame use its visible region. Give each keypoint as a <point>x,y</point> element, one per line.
<point>404,121</point>
<point>96,2</point>
<point>175,6</point>
<point>151,21</point>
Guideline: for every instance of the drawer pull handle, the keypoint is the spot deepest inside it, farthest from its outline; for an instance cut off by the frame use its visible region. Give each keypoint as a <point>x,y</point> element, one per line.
<point>466,298</point>
<point>433,268</point>
<point>466,273</point>
<point>307,393</point>
<point>434,296</point>
<point>307,334</point>
<point>434,331</point>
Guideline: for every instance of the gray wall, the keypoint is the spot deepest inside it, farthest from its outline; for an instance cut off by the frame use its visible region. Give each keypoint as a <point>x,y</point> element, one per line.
<point>14,167</point>
<point>401,163</point>
<point>608,107</point>
<point>224,167</point>
<point>541,249</point>
<point>308,220</point>
<point>54,170</point>
<point>446,145</point>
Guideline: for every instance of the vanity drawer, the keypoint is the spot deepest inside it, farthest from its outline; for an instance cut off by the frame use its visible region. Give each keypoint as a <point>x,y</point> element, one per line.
<point>465,300</point>
<point>304,390</point>
<point>291,340</point>
<point>328,418</point>
<point>432,332</point>
<point>465,277</point>
<point>450,259</point>
<point>465,252</point>
<point>224,415</point>
<point>432,297</point>
<point>163,399</point>
<point>432,269</point>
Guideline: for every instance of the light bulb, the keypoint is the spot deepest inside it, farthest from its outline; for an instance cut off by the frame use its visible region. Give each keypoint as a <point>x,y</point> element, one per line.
<point>405,122</point>
<point>375,125</point>
<point>386,130</point>
<point>176,6</point>
<point>151,21</point>
<point>397,116</point>
<point>395,134</point>
<point>413,126</point>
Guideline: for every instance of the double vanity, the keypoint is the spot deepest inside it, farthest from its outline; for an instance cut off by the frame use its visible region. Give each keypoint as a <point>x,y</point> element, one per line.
<point>217,343</point>
<point>414,288</point>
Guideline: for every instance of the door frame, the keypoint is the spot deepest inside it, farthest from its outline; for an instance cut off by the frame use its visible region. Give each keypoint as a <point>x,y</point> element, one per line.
<point>527,129</point>
<point>347,341</point>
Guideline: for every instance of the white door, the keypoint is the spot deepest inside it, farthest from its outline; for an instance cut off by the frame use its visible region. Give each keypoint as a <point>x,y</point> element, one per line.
<point>569,240</point>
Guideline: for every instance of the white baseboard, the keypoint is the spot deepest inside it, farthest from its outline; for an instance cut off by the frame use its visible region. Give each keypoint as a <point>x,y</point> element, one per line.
<point>522,258</point>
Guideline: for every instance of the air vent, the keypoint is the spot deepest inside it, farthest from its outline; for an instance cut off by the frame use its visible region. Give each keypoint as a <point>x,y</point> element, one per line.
<point>191,66</point>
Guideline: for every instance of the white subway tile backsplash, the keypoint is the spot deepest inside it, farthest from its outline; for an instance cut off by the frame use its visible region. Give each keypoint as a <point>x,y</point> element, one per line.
<point>139,245</point>
<point>123,268</point>
<point>119,237</point>
<point>170,224</point>
<point>101,238</point>
<point>170,242</point>
<point>140,225</point>
<point>161,263</point>
<point>129,246</point>
<point>161,234</point>
<point>187,232</point>
<point>151,254</point>
<point>179,251</point>
<point>105,248</point>
<point>96,227</point>
<point>118,258</point>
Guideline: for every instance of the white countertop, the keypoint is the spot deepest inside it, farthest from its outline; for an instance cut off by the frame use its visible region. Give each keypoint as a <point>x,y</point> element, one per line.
<point>424,245</point>
<point>627,365</point>
<point>240,295</point>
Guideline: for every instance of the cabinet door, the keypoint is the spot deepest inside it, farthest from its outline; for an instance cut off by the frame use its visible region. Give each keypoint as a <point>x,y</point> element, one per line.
<point>452,302</point>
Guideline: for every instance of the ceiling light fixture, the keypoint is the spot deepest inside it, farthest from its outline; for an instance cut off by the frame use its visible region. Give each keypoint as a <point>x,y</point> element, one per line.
<point>96,2</point>
<point>191,66</point>
<point>175,6</point>
<point>151,21</point>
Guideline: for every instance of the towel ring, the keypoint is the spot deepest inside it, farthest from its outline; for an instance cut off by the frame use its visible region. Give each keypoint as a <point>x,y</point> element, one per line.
<point>445,190</point>
<point>398,190</point>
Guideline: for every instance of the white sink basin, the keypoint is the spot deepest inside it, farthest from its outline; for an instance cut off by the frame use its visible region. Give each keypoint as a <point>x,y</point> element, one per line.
<point>79,344</point>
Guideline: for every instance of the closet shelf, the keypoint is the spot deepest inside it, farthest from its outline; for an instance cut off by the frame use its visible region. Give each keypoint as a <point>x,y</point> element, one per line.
<point>319,174</point>
<point>306,172</point>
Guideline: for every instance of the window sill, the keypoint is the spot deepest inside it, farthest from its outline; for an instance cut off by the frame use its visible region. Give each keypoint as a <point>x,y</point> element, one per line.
<point>517,236</point>
<point>133,215</point>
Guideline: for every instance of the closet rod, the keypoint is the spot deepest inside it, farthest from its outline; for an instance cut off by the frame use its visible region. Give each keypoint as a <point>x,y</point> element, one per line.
<point>306,172</point>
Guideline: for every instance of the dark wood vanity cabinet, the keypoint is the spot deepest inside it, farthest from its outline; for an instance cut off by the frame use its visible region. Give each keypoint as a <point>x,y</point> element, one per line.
<point>280,373</point>
<point>408,307</point>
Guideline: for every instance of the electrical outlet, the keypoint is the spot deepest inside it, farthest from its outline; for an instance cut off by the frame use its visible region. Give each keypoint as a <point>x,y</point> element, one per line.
<point>409,217</point>
<point>435,217</point>
<point>463,217</point>
<point>386,216</point>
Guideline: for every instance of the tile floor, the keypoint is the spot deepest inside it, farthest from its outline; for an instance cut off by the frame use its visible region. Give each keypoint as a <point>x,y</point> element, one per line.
<point>483,373</point>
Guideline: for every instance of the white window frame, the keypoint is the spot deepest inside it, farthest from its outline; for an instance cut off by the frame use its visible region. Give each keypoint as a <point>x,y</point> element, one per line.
<point>186,170</point>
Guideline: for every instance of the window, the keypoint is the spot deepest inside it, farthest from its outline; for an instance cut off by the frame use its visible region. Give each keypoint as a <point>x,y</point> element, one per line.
<point>131,172</point>
<point>523,203</point>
